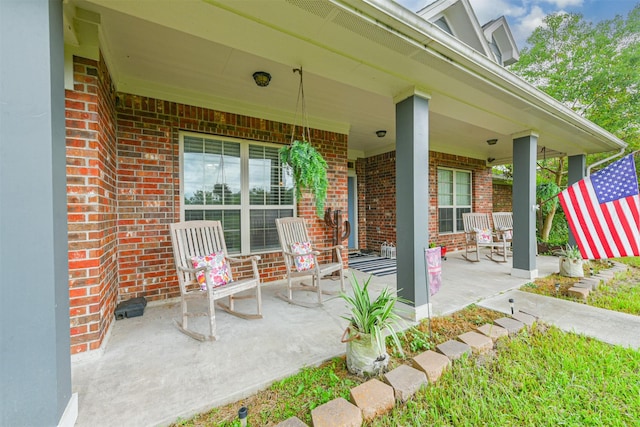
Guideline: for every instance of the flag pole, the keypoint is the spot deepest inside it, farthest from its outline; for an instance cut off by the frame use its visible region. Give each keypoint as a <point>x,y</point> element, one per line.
<point>591,166</point>
<point>618,154</point>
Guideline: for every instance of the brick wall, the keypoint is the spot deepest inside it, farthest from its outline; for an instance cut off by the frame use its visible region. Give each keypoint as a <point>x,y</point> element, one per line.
<point>379,187</point>
<point>91,181</point>
<point>148,196</point>
<point>482,199</point>
<point>123,191</point>
<point>502,197</point>
<point>377,206</point>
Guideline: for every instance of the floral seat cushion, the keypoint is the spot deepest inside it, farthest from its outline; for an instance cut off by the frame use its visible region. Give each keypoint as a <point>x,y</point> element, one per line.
<point>506,232</point>
<point>220,273</point>
<point>483,235</point>
<point>303,262</point>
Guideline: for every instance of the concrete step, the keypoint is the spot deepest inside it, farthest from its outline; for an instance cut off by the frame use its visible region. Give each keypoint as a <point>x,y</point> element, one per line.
<point>580,293</point>
<point>292,422</point>
<point>374,398</point>
<point>513,326</point>
<point>406,381</point>
<point>337,413</point>
<point>453,349</point>
<point>493,331</point>
<point>479,343</point>
<point>432,364</point>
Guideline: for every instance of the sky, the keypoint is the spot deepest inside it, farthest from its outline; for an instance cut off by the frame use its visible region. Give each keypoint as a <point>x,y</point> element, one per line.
<point>524,16</point>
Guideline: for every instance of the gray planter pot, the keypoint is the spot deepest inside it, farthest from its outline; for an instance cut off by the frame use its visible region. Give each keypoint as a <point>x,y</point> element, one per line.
<point>571,267</point>
<point>364,358</point>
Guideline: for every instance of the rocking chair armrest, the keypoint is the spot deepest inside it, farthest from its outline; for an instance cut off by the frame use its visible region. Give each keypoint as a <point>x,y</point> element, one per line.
<point>313,252</point>
<point>328,248</point>
<point>194,270</point>
<point>252,258</point>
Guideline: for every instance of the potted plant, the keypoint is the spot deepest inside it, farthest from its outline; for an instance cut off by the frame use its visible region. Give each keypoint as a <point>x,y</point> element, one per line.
<point>368,321</point>
<point>309,171</point>
<point>571,263</point>
<point>443,249</point>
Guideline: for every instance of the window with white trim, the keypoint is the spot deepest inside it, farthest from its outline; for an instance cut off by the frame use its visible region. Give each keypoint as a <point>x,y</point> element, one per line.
<point>454,199</point>
<point>240,183</point>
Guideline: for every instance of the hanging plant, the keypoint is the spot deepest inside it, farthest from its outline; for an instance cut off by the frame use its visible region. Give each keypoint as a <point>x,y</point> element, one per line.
<point>307,164</point>
<point>309,171</point>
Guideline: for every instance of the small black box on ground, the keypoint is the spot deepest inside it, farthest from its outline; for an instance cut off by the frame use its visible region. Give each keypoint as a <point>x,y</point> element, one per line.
<point>131,308</point>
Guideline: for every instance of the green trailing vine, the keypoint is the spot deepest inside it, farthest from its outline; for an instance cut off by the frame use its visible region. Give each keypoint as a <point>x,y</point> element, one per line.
<point>309,171</point>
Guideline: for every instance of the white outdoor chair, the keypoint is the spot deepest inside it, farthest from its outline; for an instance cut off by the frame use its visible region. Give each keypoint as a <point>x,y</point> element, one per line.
<point>301,260</point>
<point>202,239</point>
<point>503,225</point>
<point>478,234</point>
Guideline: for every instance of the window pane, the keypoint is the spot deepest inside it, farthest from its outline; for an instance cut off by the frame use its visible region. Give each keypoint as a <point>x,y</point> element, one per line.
<point>463,188</point>
<point>269,182</point>
<point>445,187</point>
<point>445,220</point>
<point>232,232</point>
<point>459,222</point>
<point>230,224</point>
<point>263,231</point>
<point>213,181</point>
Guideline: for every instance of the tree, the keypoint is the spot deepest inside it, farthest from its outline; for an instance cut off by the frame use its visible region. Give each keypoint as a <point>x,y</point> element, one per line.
<point>592,69</point>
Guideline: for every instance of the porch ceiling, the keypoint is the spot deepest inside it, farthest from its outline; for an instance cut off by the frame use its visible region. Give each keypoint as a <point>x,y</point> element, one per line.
<point>355,61</point>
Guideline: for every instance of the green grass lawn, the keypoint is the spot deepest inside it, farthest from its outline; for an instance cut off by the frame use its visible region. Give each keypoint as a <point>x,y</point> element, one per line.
<point>542,377</point>
<point>622,293</point>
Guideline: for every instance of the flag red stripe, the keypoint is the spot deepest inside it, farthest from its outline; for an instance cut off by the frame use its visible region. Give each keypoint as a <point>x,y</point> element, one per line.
<point>629,222</point>
<point>592,235</point>
<point>634,207</point>
<point>573,216</point>
<point>617,239</point>
<point>565,201</point>
<point>593,207</point>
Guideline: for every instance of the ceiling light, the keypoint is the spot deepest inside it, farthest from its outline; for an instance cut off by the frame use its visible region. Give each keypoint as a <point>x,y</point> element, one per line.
<point>381,133</point>
<point>492,141</point>
<point>490,159</point>
<point>262,78</point>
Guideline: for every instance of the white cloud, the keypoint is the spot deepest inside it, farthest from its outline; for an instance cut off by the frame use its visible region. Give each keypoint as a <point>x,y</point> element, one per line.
<point>486,10</point>
<point>561,4</point>
<point>524,26</point>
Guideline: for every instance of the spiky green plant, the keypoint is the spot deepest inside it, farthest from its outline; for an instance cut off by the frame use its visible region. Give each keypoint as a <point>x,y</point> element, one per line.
<point>571,252</point>
<point>373,316</point>
<point>309,171</point>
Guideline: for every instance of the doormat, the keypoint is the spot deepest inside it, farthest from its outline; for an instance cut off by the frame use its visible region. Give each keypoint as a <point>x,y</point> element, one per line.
<point>375,265</point>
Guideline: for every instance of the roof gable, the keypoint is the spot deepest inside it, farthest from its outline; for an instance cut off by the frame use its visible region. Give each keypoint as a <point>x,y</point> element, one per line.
<point>499,33</point>
<point>456,17</point>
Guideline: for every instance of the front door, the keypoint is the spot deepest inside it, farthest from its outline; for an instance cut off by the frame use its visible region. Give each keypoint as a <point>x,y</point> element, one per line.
<point>352,206</point>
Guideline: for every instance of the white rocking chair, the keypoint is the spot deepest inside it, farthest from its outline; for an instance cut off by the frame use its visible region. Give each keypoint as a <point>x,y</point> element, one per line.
<point>478,233</point>
<point>292,232</point>
<point>200,239</point>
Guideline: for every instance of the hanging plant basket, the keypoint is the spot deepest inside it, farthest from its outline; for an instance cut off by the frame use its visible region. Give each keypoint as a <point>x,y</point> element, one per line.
<point>309,171</point>
<point>307,165</point>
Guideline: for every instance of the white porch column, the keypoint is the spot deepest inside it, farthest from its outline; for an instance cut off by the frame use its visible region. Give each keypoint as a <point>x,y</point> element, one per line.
<point>525,147</point>
<point>577,171</point>
<point>35,373</point>
<point>412,200</point>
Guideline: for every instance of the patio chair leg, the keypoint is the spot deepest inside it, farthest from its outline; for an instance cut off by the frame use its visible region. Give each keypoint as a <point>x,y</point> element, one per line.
<point>212,316</point>
<point>185,317</point>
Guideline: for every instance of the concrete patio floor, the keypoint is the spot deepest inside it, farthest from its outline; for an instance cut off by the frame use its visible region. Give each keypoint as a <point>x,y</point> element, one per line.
<point>149,373</point>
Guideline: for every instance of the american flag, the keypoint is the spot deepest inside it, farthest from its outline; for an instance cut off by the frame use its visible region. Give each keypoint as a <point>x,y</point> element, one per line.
<point>603,211</point>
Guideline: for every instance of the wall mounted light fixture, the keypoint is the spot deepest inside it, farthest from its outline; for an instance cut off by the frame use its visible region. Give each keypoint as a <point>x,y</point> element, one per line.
<point>381,133</point>
<point>262,78</point>
<point>490,159</point>
<point>492,141</point>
